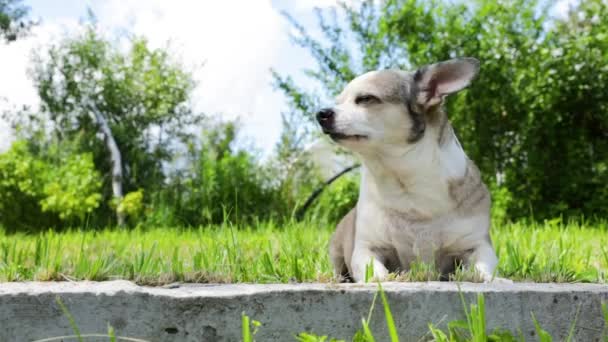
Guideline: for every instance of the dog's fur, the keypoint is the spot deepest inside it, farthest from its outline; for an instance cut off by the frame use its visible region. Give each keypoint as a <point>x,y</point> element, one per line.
<point>421,197</point>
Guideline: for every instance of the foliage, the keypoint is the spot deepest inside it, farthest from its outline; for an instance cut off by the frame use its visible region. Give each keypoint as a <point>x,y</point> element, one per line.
<point>132,204</point>
<point>144,96</point>
<point>72,188</point>
<point>337,199</point>
<point>220,183</point>
<point>536,116</point>
<point>20,185</point>
<point>501,201</point>
<point>12,13</point>
<point>142,93</point>
<point>43,190</point>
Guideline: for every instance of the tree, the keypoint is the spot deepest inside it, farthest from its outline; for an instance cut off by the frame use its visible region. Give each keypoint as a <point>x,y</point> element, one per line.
<point>219,183</point>
<point>43,190</point>
<point>12,14</point>
<point>535,120</point>
<point>131,107</point>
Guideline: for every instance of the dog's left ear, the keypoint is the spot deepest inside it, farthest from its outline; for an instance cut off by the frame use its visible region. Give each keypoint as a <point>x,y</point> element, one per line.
<point>438,80</point>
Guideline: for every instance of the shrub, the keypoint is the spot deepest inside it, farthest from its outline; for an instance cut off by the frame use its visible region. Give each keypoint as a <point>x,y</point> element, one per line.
<point>220,183</point>
<point>337,199</point>
<point>38,192</point>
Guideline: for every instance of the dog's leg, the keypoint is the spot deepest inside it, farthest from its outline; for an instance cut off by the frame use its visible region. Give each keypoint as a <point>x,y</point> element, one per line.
<point>483,259</point>
<point>363,257</point>
<point>340,269</point>
<point>341,246</point>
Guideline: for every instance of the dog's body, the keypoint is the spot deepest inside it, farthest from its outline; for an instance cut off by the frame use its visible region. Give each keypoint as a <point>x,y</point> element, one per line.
<point>421,198</point>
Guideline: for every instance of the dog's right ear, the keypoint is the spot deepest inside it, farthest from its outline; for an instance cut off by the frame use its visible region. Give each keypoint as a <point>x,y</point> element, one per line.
<point>435,81</point>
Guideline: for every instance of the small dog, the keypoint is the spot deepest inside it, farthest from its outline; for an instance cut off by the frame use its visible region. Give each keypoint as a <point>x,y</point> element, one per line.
<point>421,197</point>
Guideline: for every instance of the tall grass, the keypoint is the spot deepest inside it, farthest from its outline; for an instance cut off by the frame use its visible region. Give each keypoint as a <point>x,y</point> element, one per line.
<point>269,253</point>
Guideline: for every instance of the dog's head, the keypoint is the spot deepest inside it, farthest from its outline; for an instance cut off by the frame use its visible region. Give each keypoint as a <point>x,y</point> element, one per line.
<point>392,108</point>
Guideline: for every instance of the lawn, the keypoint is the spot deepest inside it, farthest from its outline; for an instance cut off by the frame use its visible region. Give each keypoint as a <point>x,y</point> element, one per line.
<point>551,251</point>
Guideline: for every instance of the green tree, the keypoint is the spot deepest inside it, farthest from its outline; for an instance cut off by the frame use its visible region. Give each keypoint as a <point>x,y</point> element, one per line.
<point>43,190</point>
<point>219,183</point>
<point>535,120</point>
<point>12,16</point>
<point>129,108</point>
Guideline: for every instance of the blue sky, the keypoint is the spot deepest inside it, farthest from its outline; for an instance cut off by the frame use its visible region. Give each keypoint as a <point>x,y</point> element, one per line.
<point>238,41</point>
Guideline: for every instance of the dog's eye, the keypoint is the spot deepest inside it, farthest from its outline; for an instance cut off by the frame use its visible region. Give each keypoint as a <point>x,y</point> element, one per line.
<point>366,99</point>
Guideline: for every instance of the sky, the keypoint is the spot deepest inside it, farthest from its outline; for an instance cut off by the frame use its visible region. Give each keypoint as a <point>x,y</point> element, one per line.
<point>231,45</point>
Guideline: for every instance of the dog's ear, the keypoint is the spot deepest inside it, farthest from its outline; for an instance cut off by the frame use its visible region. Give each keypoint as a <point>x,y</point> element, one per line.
<point>435,81</point>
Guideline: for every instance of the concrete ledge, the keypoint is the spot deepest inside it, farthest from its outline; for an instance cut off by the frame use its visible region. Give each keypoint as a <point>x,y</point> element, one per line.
<point>213,312</point>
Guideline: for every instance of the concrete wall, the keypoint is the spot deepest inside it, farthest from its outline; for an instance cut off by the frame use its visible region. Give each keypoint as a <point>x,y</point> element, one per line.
<point>213,312</point>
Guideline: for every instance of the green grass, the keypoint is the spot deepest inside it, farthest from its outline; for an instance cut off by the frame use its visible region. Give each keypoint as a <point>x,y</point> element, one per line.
<point>542,252</point>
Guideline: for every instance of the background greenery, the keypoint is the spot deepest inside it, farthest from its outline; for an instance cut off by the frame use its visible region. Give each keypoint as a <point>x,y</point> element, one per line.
<point>535,121</point>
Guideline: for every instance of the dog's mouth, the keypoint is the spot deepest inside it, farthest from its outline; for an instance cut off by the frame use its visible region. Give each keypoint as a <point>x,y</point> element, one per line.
<point>341,136</point>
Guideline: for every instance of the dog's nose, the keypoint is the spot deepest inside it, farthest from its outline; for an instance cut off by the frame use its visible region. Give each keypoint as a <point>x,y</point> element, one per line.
<point>325,117</point>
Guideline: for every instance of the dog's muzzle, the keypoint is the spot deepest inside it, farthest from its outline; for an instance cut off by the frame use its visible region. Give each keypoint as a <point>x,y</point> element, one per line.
<point>325,117</point>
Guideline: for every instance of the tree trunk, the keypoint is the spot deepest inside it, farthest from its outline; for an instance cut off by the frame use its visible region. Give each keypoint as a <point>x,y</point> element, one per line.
<point>115,158</point>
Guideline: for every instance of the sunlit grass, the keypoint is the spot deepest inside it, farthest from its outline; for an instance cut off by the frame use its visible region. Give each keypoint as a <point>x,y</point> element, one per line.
<point>268,253</point>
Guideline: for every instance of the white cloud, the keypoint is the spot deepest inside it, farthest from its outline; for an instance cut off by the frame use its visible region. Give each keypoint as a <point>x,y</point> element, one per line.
<point>308,4</point>
<point>238,42</point>
<point>304,5</point>
<point>562,7</point>
<point>16,89</point>
<point>14,86</point>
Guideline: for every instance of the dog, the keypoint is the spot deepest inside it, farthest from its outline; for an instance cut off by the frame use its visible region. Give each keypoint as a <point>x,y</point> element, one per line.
<point>421,198</point>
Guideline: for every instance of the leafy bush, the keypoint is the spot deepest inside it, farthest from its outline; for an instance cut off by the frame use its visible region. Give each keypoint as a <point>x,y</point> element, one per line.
<point>501,200</point>
<point>337,199</point>
<point>132,204</point>
<point>39,192</point>
<point>220,183</point>
<point>72,188</point>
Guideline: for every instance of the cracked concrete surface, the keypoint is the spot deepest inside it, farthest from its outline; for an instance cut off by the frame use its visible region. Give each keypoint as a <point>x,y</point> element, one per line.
<point>199,312</point>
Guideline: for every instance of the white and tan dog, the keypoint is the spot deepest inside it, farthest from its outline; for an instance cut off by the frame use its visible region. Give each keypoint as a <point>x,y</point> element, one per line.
<point>421,197</point>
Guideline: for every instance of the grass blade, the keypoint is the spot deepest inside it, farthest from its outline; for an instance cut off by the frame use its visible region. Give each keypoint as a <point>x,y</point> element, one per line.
<point>67,313</point>
<point>438,335</point>
<point>573,325</point>
<point>369,271</point>
<point>111,333</point>
<point>390,323</point>
<point>478,318</point>
<point>367,332</point>
<point>464,307</point>
<point>543,335</point>
<point>246,328</point>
